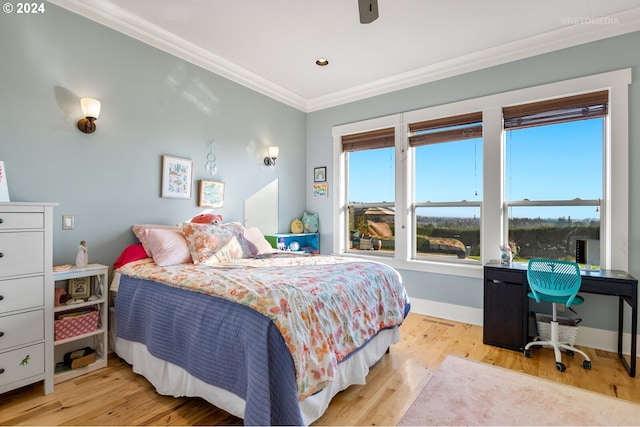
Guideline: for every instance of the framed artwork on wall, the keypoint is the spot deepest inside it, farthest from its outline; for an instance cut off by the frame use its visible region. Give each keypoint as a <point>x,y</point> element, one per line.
<point>320,174</point>
<point>177,177</point>
<point>4,188</point>
<point>211,194</point>
<point>320,190</point>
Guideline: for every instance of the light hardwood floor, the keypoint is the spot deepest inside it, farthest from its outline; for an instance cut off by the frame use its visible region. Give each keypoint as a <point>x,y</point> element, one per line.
<point>117,396</point>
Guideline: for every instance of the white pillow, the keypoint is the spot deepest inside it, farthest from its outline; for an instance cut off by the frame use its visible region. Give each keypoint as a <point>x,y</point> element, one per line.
<point>258,245</point>
<point>141,229</point>
<point>168,247</point>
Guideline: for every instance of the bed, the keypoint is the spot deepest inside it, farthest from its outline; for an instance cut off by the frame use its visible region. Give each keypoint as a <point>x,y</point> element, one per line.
<point>265,335</point>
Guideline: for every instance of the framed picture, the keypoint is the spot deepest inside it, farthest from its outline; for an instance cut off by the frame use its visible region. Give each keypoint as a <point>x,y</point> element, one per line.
<point>320,174</point>
<point>177,177</point>
<point>321,190</point>
<point>4,188</point>
<point>80,287</point>
<point>211,194</point>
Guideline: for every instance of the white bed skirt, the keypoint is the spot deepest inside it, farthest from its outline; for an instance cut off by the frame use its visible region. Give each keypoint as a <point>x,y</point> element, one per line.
<point>169,379</point>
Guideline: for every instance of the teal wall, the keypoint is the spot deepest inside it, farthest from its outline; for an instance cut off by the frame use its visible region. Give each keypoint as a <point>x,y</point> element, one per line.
<point>152,104</point>
<point>607,55</point>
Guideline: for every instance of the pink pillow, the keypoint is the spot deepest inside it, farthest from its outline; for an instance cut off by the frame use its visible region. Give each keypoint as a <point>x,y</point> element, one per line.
<point>139,231</point>
<point>130,254</point>
<point>258,245</point>
<point>168,247</point>
<point>212,244</point>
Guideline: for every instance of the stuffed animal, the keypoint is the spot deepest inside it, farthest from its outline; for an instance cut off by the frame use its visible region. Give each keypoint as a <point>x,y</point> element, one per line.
<point>310,222</point>
<point>296,226</point>
<point>207,219</point>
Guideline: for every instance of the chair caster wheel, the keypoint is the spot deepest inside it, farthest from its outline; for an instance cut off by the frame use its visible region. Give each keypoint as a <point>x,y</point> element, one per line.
<point>570,353</point>
<point>586,364</point>
<point>561,367</point>
<point>527,353</point>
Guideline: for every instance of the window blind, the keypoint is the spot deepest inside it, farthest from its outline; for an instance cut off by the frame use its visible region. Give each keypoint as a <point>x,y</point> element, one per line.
<point>380,138</point>
<point>559,110</point>
<point>445,129</point>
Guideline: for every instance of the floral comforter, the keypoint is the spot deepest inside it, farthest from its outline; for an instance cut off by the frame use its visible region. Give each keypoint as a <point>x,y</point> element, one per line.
<point>326,307</point>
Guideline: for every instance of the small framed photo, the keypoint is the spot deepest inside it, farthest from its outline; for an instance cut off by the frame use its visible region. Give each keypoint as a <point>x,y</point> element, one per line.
<point>80,287</point>
<point>177,177</point>
<point>320,174</point>
<point>211,194</point>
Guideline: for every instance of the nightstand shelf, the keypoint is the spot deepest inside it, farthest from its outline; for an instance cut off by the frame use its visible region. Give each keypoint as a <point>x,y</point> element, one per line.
<point>96,339</point>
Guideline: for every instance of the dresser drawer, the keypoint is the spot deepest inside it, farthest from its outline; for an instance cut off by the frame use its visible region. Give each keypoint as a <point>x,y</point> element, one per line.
<point>20,329</point>
<point>20,220</point>
<point>20,294</point>
<point>22,363</point>
<point>21,253</point>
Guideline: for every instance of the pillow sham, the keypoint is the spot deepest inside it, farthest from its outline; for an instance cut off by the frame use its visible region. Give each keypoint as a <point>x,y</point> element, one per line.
<point>211,244</point>
<point>140,232</point>
<point>168,247</point>
<point>256,242</point>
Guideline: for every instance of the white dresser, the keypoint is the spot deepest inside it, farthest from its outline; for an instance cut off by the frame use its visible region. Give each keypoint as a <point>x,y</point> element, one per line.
<point>26,295</point>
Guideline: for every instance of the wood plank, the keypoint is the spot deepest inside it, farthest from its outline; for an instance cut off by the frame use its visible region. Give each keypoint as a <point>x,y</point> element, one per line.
<point>116,396</point>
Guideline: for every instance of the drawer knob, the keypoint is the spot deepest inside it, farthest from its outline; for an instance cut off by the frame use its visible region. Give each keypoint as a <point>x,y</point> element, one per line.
<point>1,254</point>
<point>1,220</point>
<point>1,370</point>
<point>1,334</point>
<point>1,297</point>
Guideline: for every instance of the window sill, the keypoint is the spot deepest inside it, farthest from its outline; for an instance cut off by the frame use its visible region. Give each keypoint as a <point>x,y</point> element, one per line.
<point>424,266</point>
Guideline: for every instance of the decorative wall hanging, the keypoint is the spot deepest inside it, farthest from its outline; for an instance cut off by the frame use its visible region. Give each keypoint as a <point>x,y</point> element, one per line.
<point>177,177</point>
<point>211,194</point>
<point>210,164</point>
<point>320,174</point>
<point>321,190</point>
<point>4,188</point>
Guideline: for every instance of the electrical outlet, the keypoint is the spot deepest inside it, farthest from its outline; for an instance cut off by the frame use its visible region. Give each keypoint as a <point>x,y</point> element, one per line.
<point>561,307</point>
<point>67,222</point>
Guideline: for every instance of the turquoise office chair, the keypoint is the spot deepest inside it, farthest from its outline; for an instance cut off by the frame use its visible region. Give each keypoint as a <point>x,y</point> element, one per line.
<point>557,282</point>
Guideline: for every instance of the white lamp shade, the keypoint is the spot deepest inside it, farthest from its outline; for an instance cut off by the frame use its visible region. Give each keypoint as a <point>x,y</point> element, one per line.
<point>273,152</point>
<point>90,107</point>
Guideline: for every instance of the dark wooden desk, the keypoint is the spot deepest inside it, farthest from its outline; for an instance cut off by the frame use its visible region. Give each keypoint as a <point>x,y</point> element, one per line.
<point>506,305</point>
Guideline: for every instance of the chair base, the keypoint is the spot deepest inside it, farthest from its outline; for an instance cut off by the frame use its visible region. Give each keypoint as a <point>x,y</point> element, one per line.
<point>557,347</point>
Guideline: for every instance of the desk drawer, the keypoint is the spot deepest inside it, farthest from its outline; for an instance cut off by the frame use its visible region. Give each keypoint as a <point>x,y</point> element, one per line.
<point>506,276</point>
<point>20,329</point>
<point>21,363</point>
<point>20,294</point>
<point>20,220</point>
<point>21,253</point>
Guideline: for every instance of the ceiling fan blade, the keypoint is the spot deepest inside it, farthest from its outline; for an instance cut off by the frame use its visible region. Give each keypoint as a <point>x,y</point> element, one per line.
<point>368,11</point>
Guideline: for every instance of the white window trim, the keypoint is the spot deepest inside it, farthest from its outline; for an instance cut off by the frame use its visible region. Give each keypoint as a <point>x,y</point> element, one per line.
<point>615,217</point>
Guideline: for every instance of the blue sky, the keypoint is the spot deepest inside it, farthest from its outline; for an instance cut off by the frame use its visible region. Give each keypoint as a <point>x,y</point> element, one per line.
<point>561,161</point>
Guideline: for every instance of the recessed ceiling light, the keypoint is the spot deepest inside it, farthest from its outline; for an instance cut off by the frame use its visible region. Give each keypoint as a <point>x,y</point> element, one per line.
<point>322,62</point>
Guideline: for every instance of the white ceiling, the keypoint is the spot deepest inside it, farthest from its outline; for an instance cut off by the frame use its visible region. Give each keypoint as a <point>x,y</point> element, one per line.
<point>271,45</point>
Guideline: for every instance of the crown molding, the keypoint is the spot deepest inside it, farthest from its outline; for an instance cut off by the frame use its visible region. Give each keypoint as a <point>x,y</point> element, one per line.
<point>571,35</point>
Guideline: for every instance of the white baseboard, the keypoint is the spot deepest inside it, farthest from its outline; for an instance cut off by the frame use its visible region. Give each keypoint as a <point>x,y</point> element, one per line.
<point>599,339</point>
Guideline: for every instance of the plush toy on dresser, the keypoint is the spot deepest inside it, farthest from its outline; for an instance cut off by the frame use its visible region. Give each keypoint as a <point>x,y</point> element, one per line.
<point>310,222</point>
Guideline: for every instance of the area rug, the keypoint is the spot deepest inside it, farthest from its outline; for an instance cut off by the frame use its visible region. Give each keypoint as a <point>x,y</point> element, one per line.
<point>465,392</point>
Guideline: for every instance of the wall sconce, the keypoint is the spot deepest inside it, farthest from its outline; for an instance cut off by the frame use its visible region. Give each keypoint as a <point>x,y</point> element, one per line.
<point>270,160</point>
<point>91,111</point>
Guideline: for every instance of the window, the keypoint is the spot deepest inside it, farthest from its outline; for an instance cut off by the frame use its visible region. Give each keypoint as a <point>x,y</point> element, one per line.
<point>447,171</point>
<point>554,174</point>
<point>370,158</point>
<point>542,166</point>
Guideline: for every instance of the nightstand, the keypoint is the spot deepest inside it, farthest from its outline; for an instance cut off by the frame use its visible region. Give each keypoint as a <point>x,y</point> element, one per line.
<point>72,336</point>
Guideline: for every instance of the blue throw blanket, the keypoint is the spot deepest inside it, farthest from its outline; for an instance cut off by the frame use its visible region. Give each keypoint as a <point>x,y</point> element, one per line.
<point>220,342</point>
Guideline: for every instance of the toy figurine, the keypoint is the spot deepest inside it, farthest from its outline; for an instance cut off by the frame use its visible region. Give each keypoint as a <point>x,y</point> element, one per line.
<point>82,259</point>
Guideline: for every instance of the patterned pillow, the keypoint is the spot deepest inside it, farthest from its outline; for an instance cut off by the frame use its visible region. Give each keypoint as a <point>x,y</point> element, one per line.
<point>211,244</point>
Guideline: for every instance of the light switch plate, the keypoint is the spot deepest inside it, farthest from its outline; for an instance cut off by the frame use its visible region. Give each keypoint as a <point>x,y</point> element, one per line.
<point>67,222</point>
